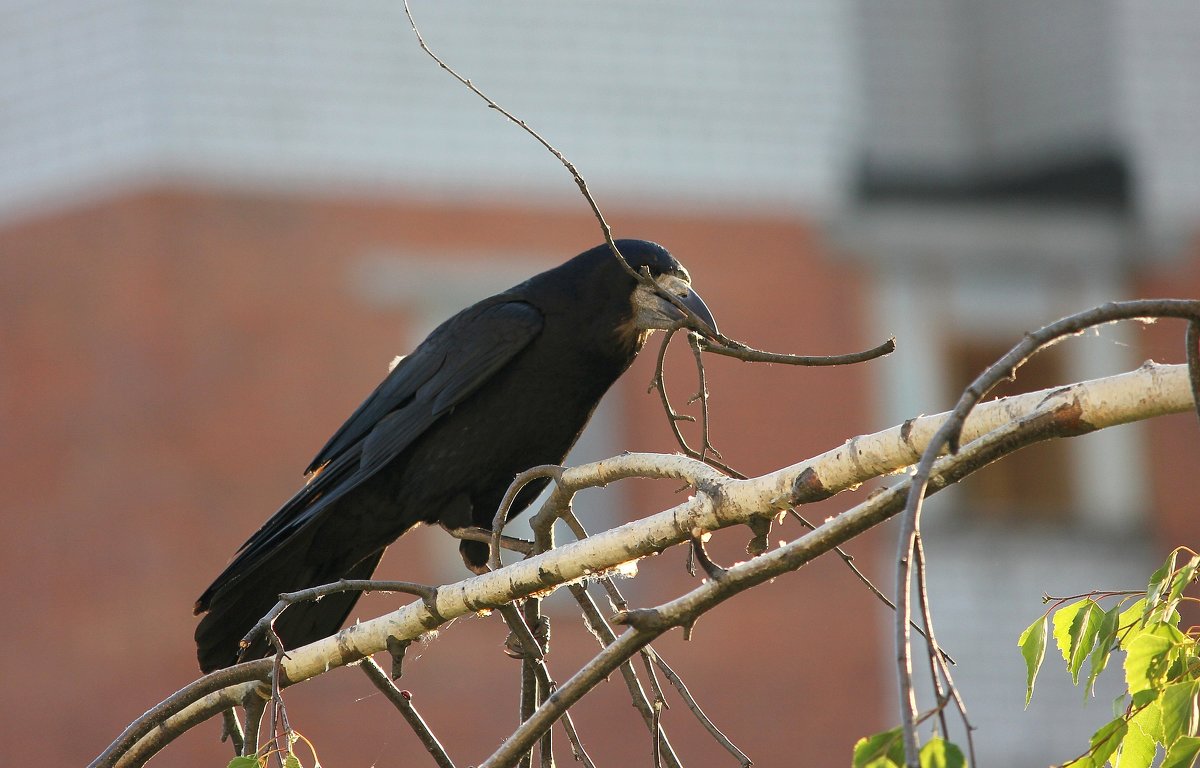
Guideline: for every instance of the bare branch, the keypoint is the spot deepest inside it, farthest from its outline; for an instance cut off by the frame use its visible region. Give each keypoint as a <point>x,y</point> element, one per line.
<point>266,623</point>
<point>721,501</point>
<point>738,350</point>
<point>403,702</point>
<point>648,624</point>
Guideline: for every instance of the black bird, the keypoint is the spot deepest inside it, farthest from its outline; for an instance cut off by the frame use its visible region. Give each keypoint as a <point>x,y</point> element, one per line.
<point>502,386</point>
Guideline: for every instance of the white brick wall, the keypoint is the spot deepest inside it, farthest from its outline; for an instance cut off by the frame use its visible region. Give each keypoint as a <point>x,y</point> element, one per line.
<point>1159,111</point>
<point>695,100</point>
<point>668,101</point>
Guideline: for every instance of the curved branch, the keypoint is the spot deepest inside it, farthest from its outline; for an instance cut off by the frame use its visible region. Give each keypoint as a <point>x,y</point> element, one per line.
<point>949,436</point>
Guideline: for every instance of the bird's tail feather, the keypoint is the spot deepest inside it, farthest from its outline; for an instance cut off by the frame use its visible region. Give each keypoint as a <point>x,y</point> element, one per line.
<point>238,606</point>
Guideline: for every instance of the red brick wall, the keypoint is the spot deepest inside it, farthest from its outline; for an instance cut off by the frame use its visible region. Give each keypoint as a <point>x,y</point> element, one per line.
<point>171,360</point>
<point>1174,441</point>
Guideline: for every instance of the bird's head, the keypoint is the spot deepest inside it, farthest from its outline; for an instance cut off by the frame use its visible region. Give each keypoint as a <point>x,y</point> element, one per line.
<point>651,309</point>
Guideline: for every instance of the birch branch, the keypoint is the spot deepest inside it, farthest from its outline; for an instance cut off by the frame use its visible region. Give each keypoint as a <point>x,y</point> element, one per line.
<point>720,502</point>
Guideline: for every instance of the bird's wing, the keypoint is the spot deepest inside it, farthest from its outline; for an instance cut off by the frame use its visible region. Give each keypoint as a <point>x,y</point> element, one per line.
<point>458,357</point>
<point>455,359</point>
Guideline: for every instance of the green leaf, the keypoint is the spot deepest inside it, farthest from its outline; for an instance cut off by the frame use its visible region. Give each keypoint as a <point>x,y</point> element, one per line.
<point>245,761</point>
<point>1179,582</point>
<point>292,761</point>
<point>1063,619</point>
<point>938,753</point>
<point>1178,704</point>
<point>1146,660</point>
<point>880,750</point>
<point>1157,580</point>
<point>1183,753</point>
<point>1106,636</point>
<point>1183,577</point>
<point>1137,749</point>
<point>1130,622</point>
<point>1033,647</point>
<point>1082,635</point>
<point>1106,740</point>
<point>1149,720</point>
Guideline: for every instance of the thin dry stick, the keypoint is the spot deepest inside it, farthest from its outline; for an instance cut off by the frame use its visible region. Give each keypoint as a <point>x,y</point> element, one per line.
<point>706,446</point>
<point>552,471</point>
<point>848,559</point>
<point>528,642</point>
<point>403,702</point>
<point>577,749</point>
<point>487,536</point>
<point>948,436</point>
<point>939,693</point>
<point>605,636</point>
<point>745,353</point>
<point>232,729</point>
<point>939,657</point>
<point>694,706</point>
<point>267,623</point>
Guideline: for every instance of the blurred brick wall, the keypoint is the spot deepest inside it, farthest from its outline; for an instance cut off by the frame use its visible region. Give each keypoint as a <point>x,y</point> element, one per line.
<point>1174,440</point>
<point>170,361</point>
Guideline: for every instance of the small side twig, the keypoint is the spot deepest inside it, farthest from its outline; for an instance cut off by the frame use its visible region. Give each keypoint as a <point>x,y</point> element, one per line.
<point>848,559</point>
<point>748,354</point>
<point>267,622</point>
<point>694,706</point>
<point>518,484</point>
<point>486,536</point>
<point>232,729</point>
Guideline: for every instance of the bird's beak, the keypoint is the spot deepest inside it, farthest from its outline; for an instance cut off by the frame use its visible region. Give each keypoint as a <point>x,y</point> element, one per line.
<point>653,312</point>
<point>693,302</point>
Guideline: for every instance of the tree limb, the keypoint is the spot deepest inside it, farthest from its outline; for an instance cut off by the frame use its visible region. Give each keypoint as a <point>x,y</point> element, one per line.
<point>1151,390</point>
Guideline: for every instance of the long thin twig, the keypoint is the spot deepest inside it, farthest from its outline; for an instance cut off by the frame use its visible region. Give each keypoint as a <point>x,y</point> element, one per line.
<point>267,622</point>
<point>403,702</point>
<point>694,706</point>
<point>605,636</point>
<point>745,353</point>
<point>526,639</point>
<point>552,471</point>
